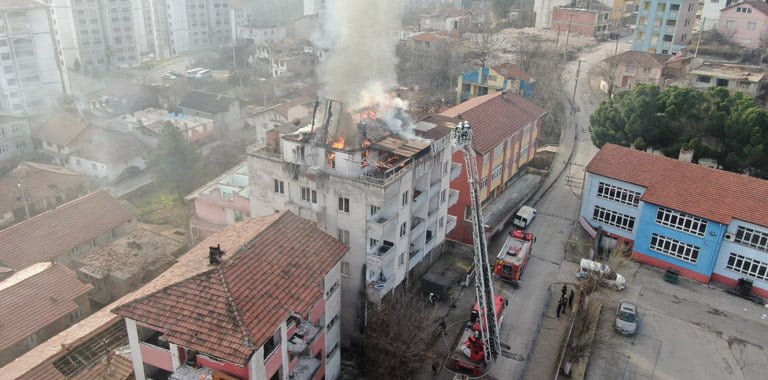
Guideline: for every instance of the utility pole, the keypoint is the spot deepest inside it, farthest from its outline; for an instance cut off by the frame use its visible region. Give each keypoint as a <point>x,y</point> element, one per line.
<point>557,39</point>
<point>616,49</point>
<point>576,84</point>
<point>701,31</point>
<point>24,199</point>
<point>567,37</point>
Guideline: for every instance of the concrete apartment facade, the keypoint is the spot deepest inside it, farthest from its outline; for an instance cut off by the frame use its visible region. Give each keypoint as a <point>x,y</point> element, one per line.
<point>745,23</point>
<point>664,26</point>
<point>221,202</point>
<point>386,196</point>
<point>30,81</point>
<point>183,25</point>
<point>15,139</point>
<point>709,224</point>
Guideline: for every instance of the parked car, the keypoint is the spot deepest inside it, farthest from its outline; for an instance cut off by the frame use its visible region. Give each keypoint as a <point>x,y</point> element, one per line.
<point>626,318</point>
<point>607,276</point>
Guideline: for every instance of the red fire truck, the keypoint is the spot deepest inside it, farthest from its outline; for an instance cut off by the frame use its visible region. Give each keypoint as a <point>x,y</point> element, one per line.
<point>468,358</point>
<point>513,256</point>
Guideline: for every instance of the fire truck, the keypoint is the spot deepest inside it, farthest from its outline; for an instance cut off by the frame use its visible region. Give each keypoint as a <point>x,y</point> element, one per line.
<point>468,358</point>
<point>513,256</point>
<point>479,345</point>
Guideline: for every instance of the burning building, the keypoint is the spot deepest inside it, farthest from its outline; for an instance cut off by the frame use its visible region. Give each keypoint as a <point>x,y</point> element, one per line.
<point>379,188</point>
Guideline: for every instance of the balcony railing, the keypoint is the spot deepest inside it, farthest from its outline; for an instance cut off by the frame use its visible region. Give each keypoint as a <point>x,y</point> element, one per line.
<point>417,226</point>
<point>453,197</point>
<point>450,224</point>
<point>305,369</point>
<point>419,197</point>
<point>302,337</point>
<point>379,223</point>
<point>455,170</point>
<point>380,254</point>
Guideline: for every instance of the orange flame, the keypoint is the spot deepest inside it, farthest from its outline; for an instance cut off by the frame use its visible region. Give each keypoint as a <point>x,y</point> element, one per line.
<point>338,144</point>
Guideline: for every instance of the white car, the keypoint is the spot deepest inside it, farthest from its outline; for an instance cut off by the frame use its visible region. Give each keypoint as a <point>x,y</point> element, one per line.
<point>626,318</point>
<point>169,76</point>
<point>603,272</point>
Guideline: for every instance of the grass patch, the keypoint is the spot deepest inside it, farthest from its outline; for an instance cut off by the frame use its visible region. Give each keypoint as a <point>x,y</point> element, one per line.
<point>156,207</point>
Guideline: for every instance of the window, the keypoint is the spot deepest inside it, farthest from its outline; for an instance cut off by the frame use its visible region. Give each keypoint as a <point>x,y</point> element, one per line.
<point>308,195</point>
<point>751,25</point>
<point>484,183</point>
<point>20,145</point>
<point>372,242</point>
<point>401,260</point>
<point>443,195</point>
<point>333,350</point>
<point>441,222</point>
<point>345,268</point>
<point>752,238</point>
<point>75,315</point>
<point>2,132</point>
<point>31,340</point>
<point>613,218</point>
<point>630,69</point>
<point>498,151</point>
<point>703,79</point>
<point>3,148</point>
<point>374,210</point>
<point>279,187</point>
<point>343,236</point>
<point>496,172</point>
<point>486,161</point>
<point>748,266</point>
<point>344,204</point>
<point>668,37</point>
<point>674,248</point>
<point>730,24</point>
<point>405,198</point>
<point>681,221</point>
<point>618,194</point>
<point>671,22</point>
<point>445,167</point>
<point>332,322</point>
<point>468,213</point>
<point>332,290</point>
<point>403,229</point>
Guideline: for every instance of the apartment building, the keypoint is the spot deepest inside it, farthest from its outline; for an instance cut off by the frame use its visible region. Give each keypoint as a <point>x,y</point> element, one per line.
<point>15,140</point>
<point>94,35</point>
<point>30,81</point>
<point>264,308</point>
<point>221,202</point>
<point>184,25</point>
<point>709,224</point>
<point>664,26</point>
<point>384,194</point>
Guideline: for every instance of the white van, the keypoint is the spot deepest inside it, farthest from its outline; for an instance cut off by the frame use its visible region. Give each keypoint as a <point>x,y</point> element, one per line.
<point>608,277</point>
<point>524,216</point>
<point>203,74</point>
<point>191,73</point>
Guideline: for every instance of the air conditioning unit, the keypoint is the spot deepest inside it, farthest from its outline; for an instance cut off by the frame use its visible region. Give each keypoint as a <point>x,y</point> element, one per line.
<point>729,237</point>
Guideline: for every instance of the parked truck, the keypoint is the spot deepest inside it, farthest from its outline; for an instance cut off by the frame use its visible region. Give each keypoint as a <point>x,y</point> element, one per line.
<point>513,256</point>
<point>468,357</point>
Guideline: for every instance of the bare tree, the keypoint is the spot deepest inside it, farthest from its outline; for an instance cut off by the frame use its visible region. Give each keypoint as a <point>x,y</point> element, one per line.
<point>396,343</point>
<point>484,44</point>
<point>609,73</point>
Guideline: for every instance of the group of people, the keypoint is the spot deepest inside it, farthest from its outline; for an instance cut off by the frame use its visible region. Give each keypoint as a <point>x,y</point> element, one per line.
<point>566,301</point>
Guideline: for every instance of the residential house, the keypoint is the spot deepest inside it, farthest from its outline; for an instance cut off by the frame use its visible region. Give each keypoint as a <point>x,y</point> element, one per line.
<point>109,155</point>
<point>502,77</point>
<point>32,188</point>
<point>710,13</point>
<point>61,133</point>
<point>434,49</point>
<point>264,119</point>
<point>260,34</point>
<point>446,20</point>
<point>221,202</point>
<point>129,262</point>
<point>630,68</point>
<point>15,139</point>
<point>385,195</point>
<point>67,231</point>
<point>505,131</point>
<point>305,28</point>
<point>583,17</point>
<point>544,10</point>
<point>745,23</point>
<point>31,81</point>
<point>287,58</point>
<point>709,224</point>
<point>750,80</point>
<point>664,26</point>
<point>151,122</point>
<point>39,302</point>
<point>275,303</point>
<point>222,109</point>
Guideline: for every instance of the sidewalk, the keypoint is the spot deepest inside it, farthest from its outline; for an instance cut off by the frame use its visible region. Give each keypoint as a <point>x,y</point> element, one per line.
<point>559,163</point>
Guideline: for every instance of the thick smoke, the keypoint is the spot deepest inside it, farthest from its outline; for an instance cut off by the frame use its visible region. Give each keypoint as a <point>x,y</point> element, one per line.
<point>360,36</point>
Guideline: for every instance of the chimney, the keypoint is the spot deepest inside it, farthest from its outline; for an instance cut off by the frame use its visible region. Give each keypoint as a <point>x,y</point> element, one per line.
<point>214,254</point>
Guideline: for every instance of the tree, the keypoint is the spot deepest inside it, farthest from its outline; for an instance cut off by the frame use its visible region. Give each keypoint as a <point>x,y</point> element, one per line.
<point>176,164</point>
<point>396,343</point>
<point>484,45</point>
<point>501,8</point>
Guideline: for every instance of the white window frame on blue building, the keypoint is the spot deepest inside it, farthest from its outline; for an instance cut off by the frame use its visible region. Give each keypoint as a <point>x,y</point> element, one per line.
<point>674,248</point>
<point>752,238</point>
<point>618,194</point>
<point>748,266</point>
<point>613,218</point>
<point>681,221</point>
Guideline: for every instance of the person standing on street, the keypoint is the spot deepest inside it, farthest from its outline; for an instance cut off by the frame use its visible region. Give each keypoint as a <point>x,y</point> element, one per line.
<point>570,298</point>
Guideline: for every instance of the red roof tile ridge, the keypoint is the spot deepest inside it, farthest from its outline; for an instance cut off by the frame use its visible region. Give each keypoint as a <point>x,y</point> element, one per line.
<point>57,208</point>
<point>247,340</point>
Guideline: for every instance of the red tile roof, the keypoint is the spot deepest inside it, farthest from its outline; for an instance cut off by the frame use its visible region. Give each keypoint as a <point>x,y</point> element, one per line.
<point>39,181</point>
<point>61,128</point>
<point>495,117</point>
<point>426,37</point>
<point>244,299</point>
<point>509,70</point>
<point>38,301</point>
<point>694,189</point>
<point>54,232</point>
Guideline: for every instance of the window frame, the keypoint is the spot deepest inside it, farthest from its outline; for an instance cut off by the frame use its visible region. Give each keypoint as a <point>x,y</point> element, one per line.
<point>613,218</point>
<point>343,205</point>
<point>674,248</point>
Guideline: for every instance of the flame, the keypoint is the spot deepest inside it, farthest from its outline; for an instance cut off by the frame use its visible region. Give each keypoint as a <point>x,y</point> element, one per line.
<point>338,144</point>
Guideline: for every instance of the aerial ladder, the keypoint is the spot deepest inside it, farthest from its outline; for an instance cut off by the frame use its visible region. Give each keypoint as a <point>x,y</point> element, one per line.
<point>487,303</point>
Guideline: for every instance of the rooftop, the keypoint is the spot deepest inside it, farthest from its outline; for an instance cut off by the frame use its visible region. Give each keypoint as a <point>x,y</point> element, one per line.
<point>732,72</point>
<point>37,301</point>
<point>54,232</point>
<point>61,128</point>
<point>207,102</point>
<point>495,117</point>
<point>112,147</point>
<point>144,250</point>
<point>232,309</point>
<point>39,181</point>
<point>694,189</point>
<point>638,58</point>
<point>510,71</point>
<point>234,181</point>
<point>41,358</point>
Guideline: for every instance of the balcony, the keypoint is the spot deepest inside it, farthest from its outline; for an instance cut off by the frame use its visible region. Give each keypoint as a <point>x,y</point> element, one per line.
<point>302,336</point>
<point>305,368</point>
<point>450,224</point>
<point>379,224</point>
<point>380,253</point>
<point>376,290</point>
<point>453,197</point>
<point>455,170</point>
<point>419,198</point>
<point>417,227</point>
<point>434,187</point>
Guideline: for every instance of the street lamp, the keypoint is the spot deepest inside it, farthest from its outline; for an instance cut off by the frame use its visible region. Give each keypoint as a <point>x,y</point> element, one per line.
<point>24,199</point>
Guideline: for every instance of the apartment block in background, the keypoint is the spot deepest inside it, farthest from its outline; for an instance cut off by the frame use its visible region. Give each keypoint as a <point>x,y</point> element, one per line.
<point>30,79</point>
<point>664,26</point>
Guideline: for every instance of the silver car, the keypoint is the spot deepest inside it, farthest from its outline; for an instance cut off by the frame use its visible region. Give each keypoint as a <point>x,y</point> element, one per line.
<point>626,318</point>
